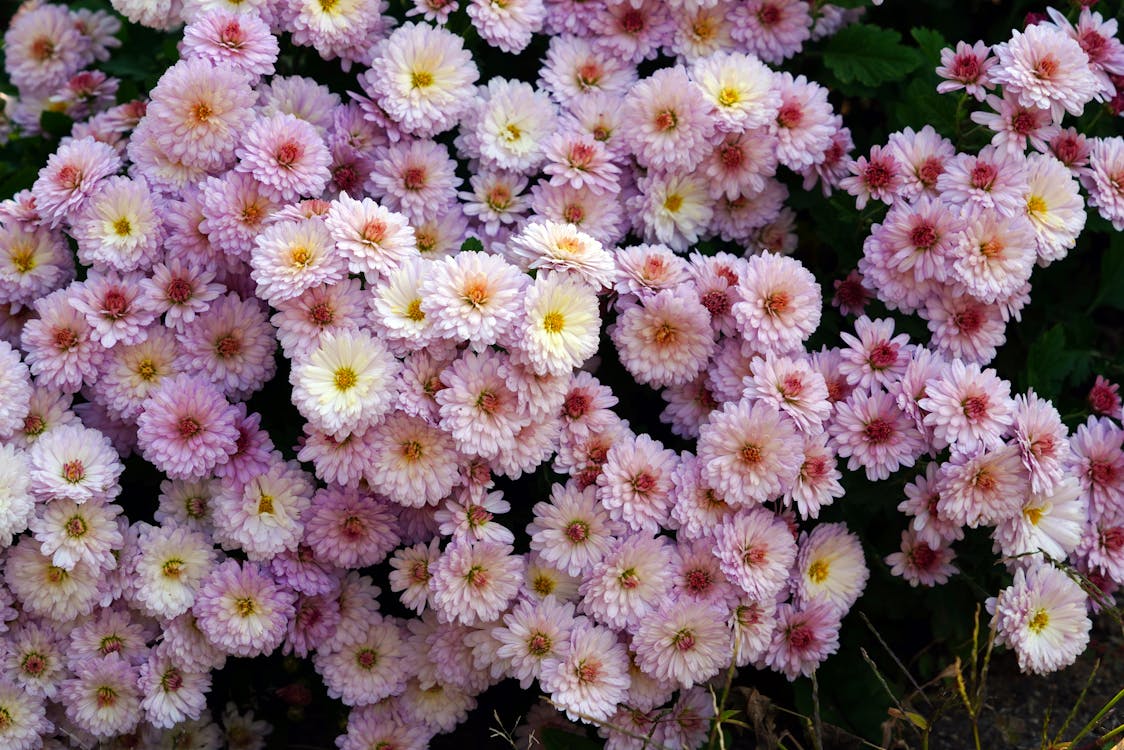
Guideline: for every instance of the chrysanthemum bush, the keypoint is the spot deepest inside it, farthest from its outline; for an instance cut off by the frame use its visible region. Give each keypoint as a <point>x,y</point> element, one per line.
<point>571,345</point>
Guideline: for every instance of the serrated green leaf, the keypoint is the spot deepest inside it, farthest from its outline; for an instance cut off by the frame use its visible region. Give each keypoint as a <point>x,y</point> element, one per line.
<point>869,55</point>
<point>472,245</point>
<point>931,43</point>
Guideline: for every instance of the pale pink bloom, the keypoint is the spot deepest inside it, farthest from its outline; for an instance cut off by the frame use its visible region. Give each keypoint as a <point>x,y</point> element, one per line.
<point>630,582</point>
<point>995,255</point>
<point>922,496</point>
<point>474,582</point>
<point>589,677</point>
<point>1049,523</point>
<point>635,483</point>
<point>1098,39</point>
<point>667,121</point>
<point>794,387</point>
<point>871,429</point>
<point>756,550</point>
<point>879,178</point>
<point>967,407</point>
<point>803,125</point>
<point>550,245</point>
<point>1016,124</point>
<point>817,485</point>
<point>923,156</point>
<point>511,126</point>
<point>1043,441</point>
<point>671,208</point>
<point>374,240</point>
<point>993,179</point>
<point>803,638</point>
<point>633,31</point>
<point>684,643</point>
<point>874,356</point>
<point>574,67</point>
<point>477,407</point>
<point>1098,462</point>
<point>969,67</point>
<point>740,162</point>
<point>1047,69</point>
<point>773,30</point>
<point>507,26</point>
<point>780,303</point>
<point>1054,207</point>
<point>920,563</point>
<point>986,488</point>
<point>1104,179</point>
<point>473,296</point>
<point>964,327</point>
<point>579,160</point>
<point>750,452</point>
<point>666,340</point>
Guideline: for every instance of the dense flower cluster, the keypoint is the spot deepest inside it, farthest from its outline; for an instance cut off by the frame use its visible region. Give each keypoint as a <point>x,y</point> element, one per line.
<point>236,218</point>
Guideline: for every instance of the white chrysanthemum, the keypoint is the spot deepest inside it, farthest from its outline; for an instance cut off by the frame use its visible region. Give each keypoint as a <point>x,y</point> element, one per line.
<point>72,533</point>
<point>1054,207</point>
<point>24,718</point>
<point>550,245</point>
<point>674,209</point>
<point>396,307</point>
<point>46,590</point>
<point>373,239</point>
<point>513,126</point>
<point>562,324</point>
<point>16,503</point>
<point>264,515</point>
<point>831,567</point>
<point>740,89</point>
<point>423,78</point>
<point>168,568</point>
<point>1050,522</point>
<point>1047,69</point>
<point>346,385</point>
<point>75,462</point>
<point>1042,615</point>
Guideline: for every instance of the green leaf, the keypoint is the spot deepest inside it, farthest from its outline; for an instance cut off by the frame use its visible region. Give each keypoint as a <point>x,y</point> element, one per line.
<point>55,123</point>
<point>869,55</point>
<point>1110,292</point>
<point>1048,362</point>
<point>472,245</point>
<point>922,105</point>
<point>556,739</point>
<point>931,43</point>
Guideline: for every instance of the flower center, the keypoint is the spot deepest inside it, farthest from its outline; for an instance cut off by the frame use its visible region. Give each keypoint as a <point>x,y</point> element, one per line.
<point>983,175</point>
<point>817,571</point>
<point>106,697</point>
<point>188,427</point>
<point>288,153</point>
<point>122,227</point>
<point>878,431</point>
<point>244,606</point>
<point>753,556</point>
<point>345,379</point>
<point>115,305</point>
<point>172,568</point>
<point>777,303</point>
<point>666,120</point>
<point>632,21</point>
<point>553,322</point>
<point>629,580</point>
<point>883,355</point>
<point>1038,621</point>
<point>790,115</point>
<point>265,503</point>
<point>76,527</point>
<point>539,644</point>
<point>683,640</point>
<point>367,658</point>
<point>923,236</point>
<point>975,407</point>
<point>172,680</point>
<point>111,644</point>
<point>413,178</point>
<point>488,402</point>
<point>33,664</point>
<point>698,581</point>
<point>227,346</point>
<point>751,454</point>
<point>769,14</point>
<point>800,637</point>
<point>421,79</point>
<point>543,585</point>
<point>73,471</point>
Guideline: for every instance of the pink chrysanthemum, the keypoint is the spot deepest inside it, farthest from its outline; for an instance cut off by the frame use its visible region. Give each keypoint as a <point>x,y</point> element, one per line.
<point>179,290</point>
<point>473,296</point>
<point>922,563</point>
<point>186,427</point>
<point>630,581</point>
<point>683,643</point>
<point>667,121</point>
<point>286,155</point>
<point>167,569</point>
<point>172,693</point>
<point>803,638</point>
<point>223,36</point>
<point>1049,523</point>
<point>373,240</point>
<point>750,452</point>
<point>995,256</point>
<point>1104,179</point>
<point>474,582</point>
<point>33,263</point>
<point>1098,462</point>
<point>232,345</point>
<point>242,610</point>
<point>666,340</point>
<point>102,697</point>
<point>198,113</point>
<point>478,408</point>
<point>73,534</point>
<point>1047,69</point>
<point>992,180</point>
<point>264,515</point>
<point>756,550</point>
<point>875,433</point>
<point>532,633</point>
<point>74,462</point>
<point>965,328</point>
<point>792,386</point>
<point>291,257</point>
<point>413,462</point>
<point>780,303</point>
<point>26,724</point>
<point>113,307</point>
<point>119,227</point>
<point>968,407</point>
<point>968,67</point>
<point>590,677</point>
<point>367,669</point>
<point>417,178</point>
<point>72,174</point>
<point>830,567</point>
<point>303,320</point>
<point>635,483</point>
<point>573,531</point>
<point>803,125</point>
<point>986,488</point>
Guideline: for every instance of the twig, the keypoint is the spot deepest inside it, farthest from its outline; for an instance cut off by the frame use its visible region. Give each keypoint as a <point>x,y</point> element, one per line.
<point>817,724</point>
<point>1097,719</point>
<point>1080,699</point>
<point>894,656</point>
